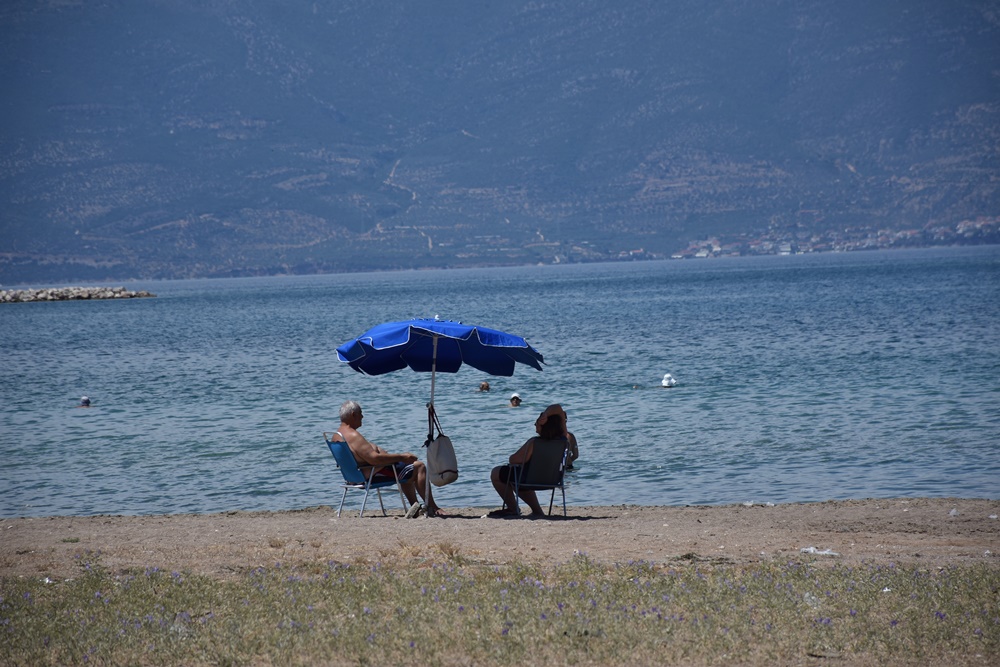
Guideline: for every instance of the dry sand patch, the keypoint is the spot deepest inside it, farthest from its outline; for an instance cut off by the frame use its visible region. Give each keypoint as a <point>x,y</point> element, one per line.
<point>935,532</point>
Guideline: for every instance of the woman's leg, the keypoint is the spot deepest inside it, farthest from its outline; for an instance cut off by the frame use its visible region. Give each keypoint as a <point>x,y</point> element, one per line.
<point>528,496</point>
<point>500,476</point>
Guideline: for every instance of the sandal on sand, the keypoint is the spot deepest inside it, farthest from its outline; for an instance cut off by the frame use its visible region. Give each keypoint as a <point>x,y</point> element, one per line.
<point>502,513</point>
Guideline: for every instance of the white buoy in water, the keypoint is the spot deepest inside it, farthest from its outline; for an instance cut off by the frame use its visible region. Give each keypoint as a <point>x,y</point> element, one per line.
<point>668,380</point>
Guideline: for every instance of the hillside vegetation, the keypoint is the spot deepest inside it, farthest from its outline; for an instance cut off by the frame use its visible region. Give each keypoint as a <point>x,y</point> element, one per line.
<point>183,138</point>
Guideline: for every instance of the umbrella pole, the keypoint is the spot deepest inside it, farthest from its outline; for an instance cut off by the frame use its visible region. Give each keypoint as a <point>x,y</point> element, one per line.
<point>434,363</point>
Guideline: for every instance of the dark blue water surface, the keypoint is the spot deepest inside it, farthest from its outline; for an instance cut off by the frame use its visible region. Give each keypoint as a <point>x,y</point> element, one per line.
<point>801,378</point>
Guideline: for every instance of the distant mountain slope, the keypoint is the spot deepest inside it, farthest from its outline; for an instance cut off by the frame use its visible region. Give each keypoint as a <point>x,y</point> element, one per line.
<point>174,138</point>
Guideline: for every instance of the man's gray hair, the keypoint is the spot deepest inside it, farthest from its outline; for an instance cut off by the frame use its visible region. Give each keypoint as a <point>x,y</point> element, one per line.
<point>349,409</point>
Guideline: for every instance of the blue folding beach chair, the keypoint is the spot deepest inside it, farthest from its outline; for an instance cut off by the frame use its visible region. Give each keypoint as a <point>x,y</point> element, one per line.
<point>360,477</point>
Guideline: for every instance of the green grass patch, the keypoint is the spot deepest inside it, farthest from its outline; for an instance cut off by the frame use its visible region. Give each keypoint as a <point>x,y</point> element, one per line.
<point>413,611</point>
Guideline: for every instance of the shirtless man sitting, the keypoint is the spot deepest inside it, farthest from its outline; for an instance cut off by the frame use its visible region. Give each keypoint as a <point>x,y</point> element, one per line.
<point>369,454</point>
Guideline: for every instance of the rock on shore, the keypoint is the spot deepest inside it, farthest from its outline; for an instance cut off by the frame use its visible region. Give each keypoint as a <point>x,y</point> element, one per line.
<point>69,294</point>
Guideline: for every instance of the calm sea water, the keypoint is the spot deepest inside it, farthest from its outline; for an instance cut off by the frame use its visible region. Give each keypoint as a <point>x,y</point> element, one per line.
<point>802,378</point>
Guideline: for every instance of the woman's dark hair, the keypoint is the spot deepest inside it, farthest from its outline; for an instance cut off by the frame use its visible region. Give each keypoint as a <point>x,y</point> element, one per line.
<point>552,429</point>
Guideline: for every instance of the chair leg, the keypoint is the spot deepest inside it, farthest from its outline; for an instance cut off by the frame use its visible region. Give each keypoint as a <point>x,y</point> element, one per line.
<point>342,502</point>
<point>563,489</point>
<point>364,502</point>
<point>552,498</point>
<point>381,504</point>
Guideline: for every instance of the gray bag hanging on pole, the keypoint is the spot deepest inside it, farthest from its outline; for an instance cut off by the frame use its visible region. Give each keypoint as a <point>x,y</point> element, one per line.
<point>442,464</point>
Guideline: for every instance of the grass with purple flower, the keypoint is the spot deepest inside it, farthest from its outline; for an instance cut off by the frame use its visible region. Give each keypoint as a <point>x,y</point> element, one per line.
<point>414,610</point>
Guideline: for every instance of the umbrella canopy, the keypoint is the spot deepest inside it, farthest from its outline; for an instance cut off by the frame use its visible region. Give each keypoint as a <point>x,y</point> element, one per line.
<point>437,345</point>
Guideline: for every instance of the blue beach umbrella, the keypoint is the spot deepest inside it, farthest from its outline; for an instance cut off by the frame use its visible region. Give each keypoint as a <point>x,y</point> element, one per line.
<point>436,345</point>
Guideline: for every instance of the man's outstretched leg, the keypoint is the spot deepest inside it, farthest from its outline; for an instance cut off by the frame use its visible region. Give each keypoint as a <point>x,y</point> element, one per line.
<point>419,483</point>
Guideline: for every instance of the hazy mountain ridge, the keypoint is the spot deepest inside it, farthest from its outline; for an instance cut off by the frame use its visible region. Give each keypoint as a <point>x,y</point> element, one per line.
<point>171,138</point>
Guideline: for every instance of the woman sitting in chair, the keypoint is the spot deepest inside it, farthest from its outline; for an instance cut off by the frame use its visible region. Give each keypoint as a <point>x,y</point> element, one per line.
<point>550,429</point>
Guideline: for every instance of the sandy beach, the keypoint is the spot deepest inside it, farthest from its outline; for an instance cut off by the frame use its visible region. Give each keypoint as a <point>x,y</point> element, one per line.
<point>935,532</point>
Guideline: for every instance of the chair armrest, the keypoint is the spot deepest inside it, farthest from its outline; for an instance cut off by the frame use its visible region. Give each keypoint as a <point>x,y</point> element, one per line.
<point>367,471</point>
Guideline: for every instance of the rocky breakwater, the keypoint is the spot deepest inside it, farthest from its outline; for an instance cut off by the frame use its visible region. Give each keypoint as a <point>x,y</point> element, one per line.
<point>69,294</point>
